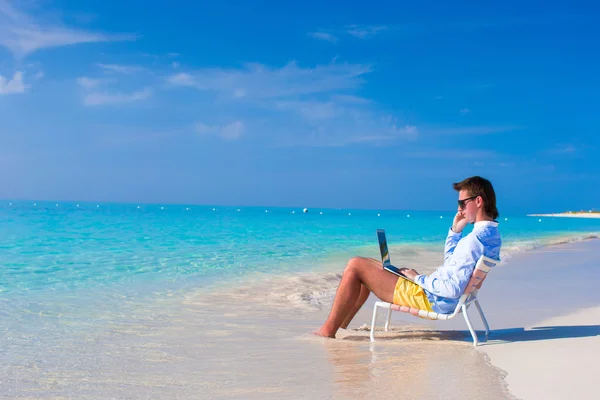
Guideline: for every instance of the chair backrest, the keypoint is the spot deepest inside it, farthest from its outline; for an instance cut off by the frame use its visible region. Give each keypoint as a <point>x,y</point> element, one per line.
<point>483,266</point>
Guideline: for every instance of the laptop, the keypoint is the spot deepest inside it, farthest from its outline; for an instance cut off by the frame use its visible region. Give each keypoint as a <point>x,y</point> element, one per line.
<point>385,255</point>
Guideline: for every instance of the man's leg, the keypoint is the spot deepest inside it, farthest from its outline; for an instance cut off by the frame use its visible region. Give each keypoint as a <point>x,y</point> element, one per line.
<point>358,273</point>
<point>364,295</point>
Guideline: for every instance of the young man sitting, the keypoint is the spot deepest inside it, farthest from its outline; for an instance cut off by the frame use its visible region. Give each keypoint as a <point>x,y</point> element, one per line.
<point>439,291</point>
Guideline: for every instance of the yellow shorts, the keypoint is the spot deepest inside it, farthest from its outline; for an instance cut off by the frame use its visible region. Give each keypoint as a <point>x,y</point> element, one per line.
<point>410,294</point>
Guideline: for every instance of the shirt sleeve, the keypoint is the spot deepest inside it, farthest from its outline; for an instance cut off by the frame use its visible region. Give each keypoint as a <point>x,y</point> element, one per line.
<point>462,263</point>
<point>451,241</point>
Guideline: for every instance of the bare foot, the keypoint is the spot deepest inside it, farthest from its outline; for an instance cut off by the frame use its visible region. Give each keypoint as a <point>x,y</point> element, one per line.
<point>323,334</point>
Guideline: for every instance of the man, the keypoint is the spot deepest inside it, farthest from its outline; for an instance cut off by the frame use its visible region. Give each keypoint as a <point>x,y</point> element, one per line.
<point>439,291</point>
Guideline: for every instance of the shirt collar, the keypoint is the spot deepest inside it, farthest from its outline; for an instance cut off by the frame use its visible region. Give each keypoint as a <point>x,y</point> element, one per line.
<point>481,224</point>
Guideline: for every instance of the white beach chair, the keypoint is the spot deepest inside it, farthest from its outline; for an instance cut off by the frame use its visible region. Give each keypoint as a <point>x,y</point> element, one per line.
<point>469,297</point>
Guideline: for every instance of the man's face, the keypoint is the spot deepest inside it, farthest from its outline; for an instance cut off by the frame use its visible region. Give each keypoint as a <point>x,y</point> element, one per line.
<point>468,205</point>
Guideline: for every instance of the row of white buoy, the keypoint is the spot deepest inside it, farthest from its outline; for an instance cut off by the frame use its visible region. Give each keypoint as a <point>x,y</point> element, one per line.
<point>305,210</point>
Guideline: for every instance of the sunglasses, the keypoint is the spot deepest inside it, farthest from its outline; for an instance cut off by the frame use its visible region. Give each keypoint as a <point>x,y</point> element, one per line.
<point>463,202</point>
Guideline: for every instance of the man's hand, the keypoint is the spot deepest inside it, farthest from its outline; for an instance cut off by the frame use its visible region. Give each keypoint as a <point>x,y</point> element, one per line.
<point>459,223</point>
<point>409,273</point>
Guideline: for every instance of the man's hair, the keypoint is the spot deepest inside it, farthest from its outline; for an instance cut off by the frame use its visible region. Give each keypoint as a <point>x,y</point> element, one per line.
<point>478,186</point>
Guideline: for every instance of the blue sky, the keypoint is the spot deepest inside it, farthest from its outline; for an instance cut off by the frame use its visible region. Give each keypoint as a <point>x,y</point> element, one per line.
<point>319,104</point>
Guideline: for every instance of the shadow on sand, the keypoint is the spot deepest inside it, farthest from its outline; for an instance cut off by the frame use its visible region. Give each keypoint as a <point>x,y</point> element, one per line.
<point>545,333</point>
<point>496,336</point>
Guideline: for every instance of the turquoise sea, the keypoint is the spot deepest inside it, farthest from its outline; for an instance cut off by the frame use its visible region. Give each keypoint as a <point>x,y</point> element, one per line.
<point>72,275</point>
<point>61,247</point>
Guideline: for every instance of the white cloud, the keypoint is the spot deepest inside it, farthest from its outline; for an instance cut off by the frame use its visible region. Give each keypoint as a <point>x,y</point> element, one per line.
<point>469,130</point>
<point>357,31</point>
<point>258,81</point>
<point>387,134</point>
<point>182,79</point>
<point>370,132</point>
<point>121,69</point>
<point>451,154</point>
<point>117,135</point>
<point>203,128</point>
<point>90,83</point>
<point>569,149</point>
<point>311,109</point>
<point>105,98</point>
<point>14,85</point>
<point>238,93</point>
<point>175,64</point>
<point>465,111</point>
<point>328,37</point>
<point>334,124</point>
<point>93,96</point>
<point>365,31</point>
<point>39,75</point>
<point>231,131</point>
<point>296,106</point>
<point>22,34</point>
<point>565,149</point>
<point>350,99</point>
<point>306,106</point>
<point>410,129</point>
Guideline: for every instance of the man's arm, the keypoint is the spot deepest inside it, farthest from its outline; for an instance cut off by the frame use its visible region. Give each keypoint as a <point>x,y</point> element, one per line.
<point>451,241</point>
<point>454,235</point>
<point>458,270</point>
<point>453,287</point>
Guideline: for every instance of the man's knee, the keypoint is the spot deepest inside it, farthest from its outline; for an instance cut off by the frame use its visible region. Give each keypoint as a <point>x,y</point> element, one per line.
<point>356,265</point>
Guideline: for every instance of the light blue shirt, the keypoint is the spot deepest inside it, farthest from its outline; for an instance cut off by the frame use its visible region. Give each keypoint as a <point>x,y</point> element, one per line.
<point>445,286</point>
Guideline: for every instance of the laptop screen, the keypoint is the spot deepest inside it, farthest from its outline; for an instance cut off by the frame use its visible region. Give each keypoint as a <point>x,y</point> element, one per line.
<point>383,247</point>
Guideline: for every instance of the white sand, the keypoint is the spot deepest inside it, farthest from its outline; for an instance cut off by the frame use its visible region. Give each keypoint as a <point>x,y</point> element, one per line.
<point>555,359</point>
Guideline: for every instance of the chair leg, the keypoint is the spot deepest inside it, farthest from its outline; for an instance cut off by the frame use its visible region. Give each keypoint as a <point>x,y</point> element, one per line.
<point>387,321</point>
<point>473,333</point>
<point>373,323</point>
<point>487,327</point>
